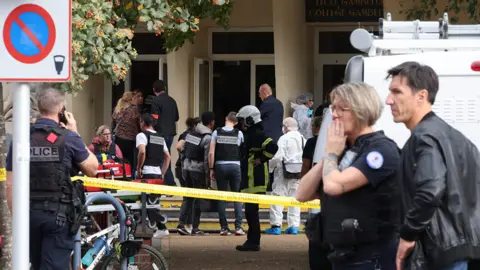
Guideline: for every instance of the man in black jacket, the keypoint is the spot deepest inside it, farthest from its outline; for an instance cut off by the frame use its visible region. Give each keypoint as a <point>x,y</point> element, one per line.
<point>165,110</point>
<point>438,180</point>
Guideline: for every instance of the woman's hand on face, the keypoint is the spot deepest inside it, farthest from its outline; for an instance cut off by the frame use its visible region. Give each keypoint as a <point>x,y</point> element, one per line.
<point>336,138</point>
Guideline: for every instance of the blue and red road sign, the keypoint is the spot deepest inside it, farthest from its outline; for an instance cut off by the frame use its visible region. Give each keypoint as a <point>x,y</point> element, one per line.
<point>29,33</point>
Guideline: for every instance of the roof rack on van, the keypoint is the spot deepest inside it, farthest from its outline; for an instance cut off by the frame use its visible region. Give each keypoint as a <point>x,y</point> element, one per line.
<point>406,37</point>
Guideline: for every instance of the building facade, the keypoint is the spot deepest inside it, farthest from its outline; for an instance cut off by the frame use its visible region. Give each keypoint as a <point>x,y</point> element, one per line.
<point>294,45</point>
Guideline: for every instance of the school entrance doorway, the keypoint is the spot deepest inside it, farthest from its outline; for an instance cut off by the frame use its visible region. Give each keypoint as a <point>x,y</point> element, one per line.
<point>235,84</point>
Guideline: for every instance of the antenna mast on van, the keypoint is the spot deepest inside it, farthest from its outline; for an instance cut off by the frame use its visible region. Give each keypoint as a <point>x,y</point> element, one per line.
<point>407,37</point>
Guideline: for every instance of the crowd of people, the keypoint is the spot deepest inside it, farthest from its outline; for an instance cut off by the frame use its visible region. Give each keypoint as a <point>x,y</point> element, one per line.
<point>381,207</point>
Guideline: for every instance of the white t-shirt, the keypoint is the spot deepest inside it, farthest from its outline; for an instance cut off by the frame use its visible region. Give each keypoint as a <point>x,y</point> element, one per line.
<point>142,139</point>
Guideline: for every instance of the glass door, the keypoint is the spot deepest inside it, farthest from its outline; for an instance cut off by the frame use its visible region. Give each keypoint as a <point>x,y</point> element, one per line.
<point>262,71</point>
<point>203,89</point>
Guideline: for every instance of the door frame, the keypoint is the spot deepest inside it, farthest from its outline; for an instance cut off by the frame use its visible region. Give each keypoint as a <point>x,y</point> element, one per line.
<point>196,89</point>
<point>161,58</point>
<point>327,59</point>
<point>107,84</point>
<point>253,79</point>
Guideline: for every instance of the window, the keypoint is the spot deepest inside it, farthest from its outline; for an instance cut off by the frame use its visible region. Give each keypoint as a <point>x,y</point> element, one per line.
<point>242,43</point>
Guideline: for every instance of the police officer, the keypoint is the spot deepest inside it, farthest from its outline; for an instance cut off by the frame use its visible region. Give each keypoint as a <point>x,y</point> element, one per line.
<point>259,149</point>
<point>224,161</point>
<point>357,184</point>
<point>56,152</point>
<point>151,164</point>
<point>195,166</point>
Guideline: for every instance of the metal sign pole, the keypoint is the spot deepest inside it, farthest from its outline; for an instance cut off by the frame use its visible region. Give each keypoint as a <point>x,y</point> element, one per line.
<point>21,178</point>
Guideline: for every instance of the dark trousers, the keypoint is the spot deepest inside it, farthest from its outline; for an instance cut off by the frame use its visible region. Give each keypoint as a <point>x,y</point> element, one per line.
<point>50,245</point>
<point>183,209</point>
<point>381,255</point>
<point>128,149</point>
<point>151,213</point>
<point>318,257</point>
<point>194,180</point>
<point>253,220</point>
<point>229,174</point>
<point>169,180</point>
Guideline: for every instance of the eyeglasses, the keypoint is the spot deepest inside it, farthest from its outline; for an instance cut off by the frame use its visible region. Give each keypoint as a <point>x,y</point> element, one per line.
<point>106,134</point>
<point>340,110</point>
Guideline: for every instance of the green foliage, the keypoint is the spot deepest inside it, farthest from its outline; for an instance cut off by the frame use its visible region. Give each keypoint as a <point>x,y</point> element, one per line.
<point>428,9</point>
<point>102,32</point>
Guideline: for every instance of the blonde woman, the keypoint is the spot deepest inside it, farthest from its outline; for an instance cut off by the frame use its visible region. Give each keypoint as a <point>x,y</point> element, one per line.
<point>125,123</point>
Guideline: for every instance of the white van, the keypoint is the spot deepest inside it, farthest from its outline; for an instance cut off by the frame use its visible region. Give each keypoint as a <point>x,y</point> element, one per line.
<point>453,51</point>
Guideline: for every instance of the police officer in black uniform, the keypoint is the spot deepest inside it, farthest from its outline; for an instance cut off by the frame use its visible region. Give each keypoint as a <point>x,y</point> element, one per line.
<point>151,164</point>
<point>56,153</point>
<point>357,184</point>
<point>195,166</point>
<point>224,160</point>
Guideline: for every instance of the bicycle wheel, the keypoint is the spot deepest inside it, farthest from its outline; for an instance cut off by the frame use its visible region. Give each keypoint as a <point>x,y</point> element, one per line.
<point>156,261</point>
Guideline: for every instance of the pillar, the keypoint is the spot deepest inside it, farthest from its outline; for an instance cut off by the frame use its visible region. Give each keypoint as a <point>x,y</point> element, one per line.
<point>180,87</point>
<point>290,37</point>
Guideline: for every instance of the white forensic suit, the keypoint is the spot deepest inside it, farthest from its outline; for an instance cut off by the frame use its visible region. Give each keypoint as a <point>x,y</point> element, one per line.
<point>290,150</point>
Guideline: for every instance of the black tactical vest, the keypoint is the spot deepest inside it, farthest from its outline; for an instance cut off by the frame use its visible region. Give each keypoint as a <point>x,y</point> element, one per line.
<point>154,149</point>
<point>49,176</point>
<point>375,209</point>
<point>226,147</point>
<point>97,149</point>
<point>193,149</point>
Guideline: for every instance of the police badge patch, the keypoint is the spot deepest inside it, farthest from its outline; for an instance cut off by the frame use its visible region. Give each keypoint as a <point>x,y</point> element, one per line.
<point>375,160</point>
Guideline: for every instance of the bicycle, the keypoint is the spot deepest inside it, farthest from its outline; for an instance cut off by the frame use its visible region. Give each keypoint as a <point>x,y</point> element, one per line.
<point>106,248</point>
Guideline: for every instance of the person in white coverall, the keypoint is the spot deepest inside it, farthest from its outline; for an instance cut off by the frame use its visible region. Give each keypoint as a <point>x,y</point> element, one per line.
<point>303,114</point>
<point>286,166</point>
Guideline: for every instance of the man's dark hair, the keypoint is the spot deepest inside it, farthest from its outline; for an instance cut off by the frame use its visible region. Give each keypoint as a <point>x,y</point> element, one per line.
<point>232,117</point>
<point>418,77</point>
<point>207,118</point>
<point>159,86</point>
<point>148,119</point>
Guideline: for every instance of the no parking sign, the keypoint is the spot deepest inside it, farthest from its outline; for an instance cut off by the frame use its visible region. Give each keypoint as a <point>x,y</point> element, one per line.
<point>36,40</point>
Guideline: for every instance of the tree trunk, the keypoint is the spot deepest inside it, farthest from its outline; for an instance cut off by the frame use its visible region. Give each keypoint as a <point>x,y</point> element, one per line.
<point>5,215</point>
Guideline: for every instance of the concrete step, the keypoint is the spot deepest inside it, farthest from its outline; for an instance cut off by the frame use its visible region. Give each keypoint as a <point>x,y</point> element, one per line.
<point>212,225</point>
<point>176,201</point>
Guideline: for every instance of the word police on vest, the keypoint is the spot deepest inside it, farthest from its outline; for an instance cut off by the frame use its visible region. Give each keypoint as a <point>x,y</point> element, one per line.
<point>193,140</point>
<point>227,140</point>
<point>157,140</point>
<point>41,153</point>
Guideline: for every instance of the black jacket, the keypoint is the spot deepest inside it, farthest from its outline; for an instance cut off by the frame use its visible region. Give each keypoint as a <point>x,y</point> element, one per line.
<point>165,109</point>
<point>440,187</point>
<point>271,111</point>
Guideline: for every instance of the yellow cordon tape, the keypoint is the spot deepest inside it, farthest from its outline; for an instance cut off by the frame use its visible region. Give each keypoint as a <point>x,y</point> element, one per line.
<point>195,193</point>
<point>3,174</point>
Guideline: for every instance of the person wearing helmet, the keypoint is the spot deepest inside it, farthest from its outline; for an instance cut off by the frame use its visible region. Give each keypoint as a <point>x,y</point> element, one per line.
<point>258,149</point>
<point>302,113</point>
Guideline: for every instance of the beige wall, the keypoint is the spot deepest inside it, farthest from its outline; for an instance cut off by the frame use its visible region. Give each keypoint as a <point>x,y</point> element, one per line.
<point>294,60</point>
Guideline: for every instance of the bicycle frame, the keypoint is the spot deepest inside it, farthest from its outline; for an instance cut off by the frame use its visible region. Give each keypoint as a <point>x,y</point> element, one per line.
<point>77,253</point>
<point>115,229</point>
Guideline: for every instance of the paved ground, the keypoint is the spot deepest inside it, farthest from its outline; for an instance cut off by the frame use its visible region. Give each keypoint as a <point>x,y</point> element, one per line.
<point>218,253</point>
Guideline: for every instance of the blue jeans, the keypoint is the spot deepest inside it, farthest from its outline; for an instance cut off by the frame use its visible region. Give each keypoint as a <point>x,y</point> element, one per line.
<point>169,180</point>
<point>461,265</point>
<point>226,174</point>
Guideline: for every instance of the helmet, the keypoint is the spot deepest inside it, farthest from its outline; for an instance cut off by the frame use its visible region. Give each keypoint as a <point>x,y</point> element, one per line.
<point>250,114</point>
